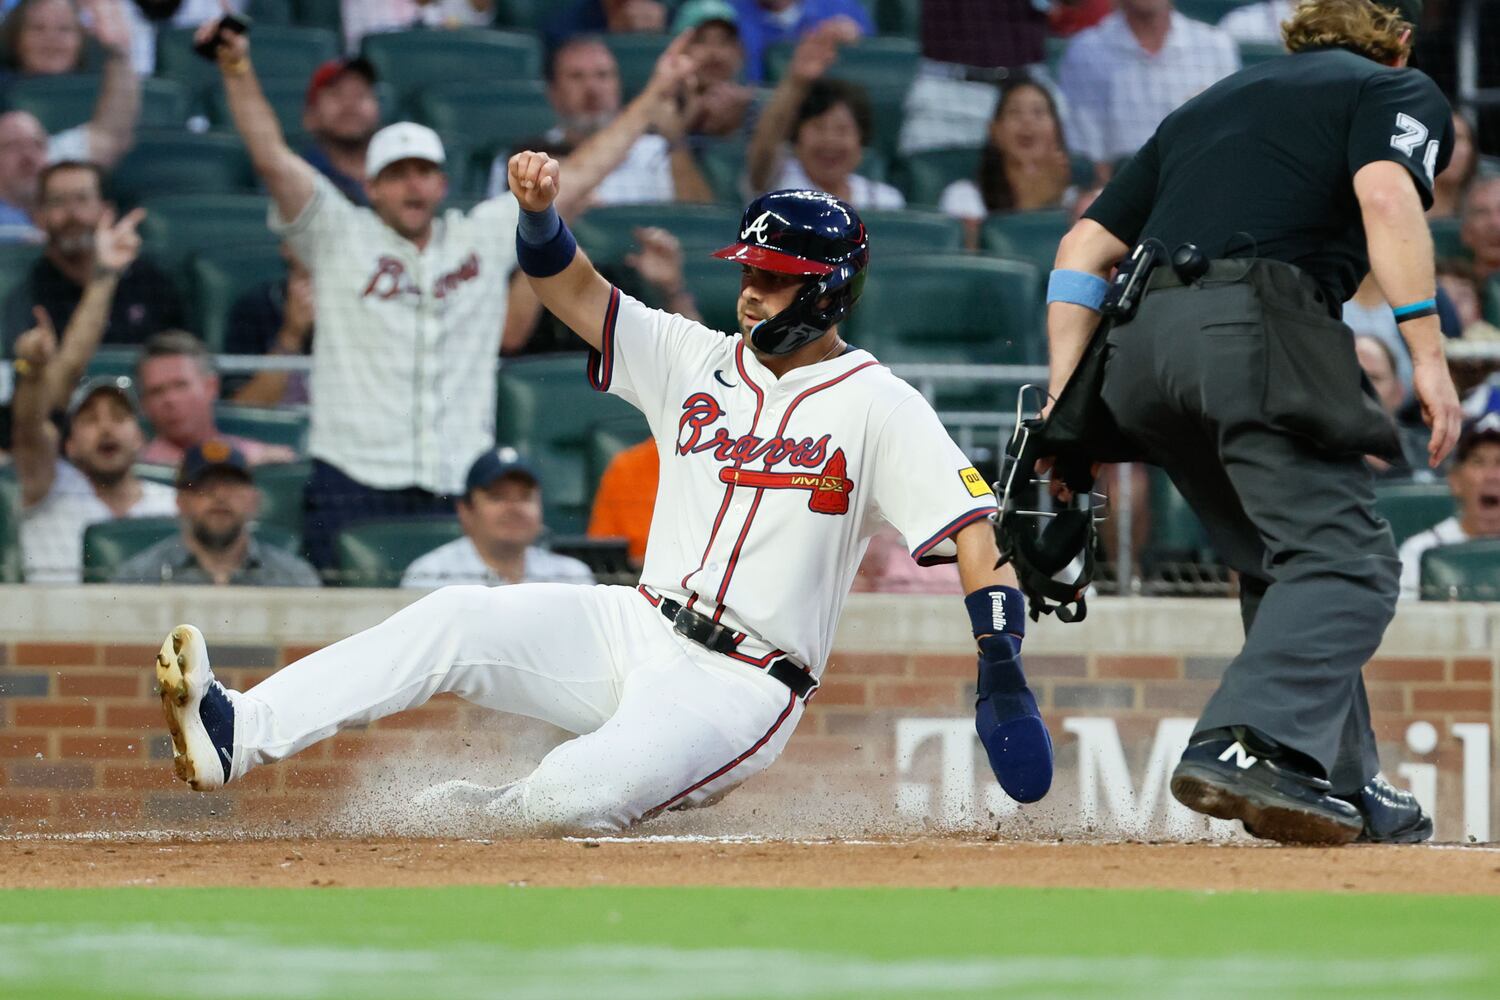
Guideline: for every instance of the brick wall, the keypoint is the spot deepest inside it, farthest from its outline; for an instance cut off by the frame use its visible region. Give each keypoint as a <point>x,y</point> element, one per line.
<point>82,746</point>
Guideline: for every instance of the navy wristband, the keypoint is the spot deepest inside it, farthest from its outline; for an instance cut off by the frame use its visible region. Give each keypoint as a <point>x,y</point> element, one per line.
<point>538,228</point>
<point>551,257</point>
<point>997,611</point>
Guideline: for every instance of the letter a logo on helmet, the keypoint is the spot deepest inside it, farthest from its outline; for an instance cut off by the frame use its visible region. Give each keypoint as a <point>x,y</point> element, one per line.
<point>810,234</point>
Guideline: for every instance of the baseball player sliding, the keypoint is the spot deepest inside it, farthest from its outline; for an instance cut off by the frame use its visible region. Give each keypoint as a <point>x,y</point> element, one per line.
<point>783,449</point>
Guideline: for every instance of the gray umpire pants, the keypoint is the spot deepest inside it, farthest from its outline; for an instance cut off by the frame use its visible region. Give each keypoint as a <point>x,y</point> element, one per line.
<point>1249,395</point>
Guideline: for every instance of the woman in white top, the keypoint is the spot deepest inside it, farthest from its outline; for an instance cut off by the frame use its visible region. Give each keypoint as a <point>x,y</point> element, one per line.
<point>813,131</point>
<point>1025,165</point>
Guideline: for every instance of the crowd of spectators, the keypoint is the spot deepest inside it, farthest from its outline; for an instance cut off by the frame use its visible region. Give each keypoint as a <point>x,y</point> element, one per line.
<point>400,284</point>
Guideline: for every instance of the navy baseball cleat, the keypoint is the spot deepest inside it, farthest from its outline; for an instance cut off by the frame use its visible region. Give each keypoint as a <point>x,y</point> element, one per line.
<point>1009,724</point>
<point>1391,815</point>
<point>199,712</point>
<point>1230,774</point>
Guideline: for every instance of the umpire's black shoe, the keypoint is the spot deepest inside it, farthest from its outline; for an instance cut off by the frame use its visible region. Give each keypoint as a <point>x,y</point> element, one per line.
<point>1230,776</point>
<point>1391,815</point>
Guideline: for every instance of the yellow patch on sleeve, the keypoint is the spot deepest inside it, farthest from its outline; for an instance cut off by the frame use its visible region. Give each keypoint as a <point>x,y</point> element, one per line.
<point>975,482</point>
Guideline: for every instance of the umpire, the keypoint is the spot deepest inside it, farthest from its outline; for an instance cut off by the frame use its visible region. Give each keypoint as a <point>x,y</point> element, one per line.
<point>1272,194</point>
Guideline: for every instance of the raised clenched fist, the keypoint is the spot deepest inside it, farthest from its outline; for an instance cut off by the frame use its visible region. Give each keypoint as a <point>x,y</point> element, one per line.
<point>533,179</point>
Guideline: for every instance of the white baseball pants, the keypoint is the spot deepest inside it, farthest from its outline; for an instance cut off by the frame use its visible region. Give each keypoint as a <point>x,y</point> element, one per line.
<point>665,722</point>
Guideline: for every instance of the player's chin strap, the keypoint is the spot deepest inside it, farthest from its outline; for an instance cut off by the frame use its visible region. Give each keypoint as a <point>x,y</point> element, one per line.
<point>1039,556</point>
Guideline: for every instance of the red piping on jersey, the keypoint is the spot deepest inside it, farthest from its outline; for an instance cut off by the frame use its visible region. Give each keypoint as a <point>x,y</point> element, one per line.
<point>785,713</point>
<point>948,530</point>
<point>734,556</point>
<point>760,399</point>
<point>655,602</point>
<point>602,362</point>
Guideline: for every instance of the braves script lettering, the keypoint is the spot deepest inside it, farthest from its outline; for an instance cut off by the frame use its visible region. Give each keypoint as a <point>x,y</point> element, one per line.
<point>390,279</point>
<point>701,410</point>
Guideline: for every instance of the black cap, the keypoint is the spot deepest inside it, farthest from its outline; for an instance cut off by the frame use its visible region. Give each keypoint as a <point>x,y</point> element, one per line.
<point>213,455</point>
<point>496,464</point>
<point>1481,428</point>
<point>116,385</point>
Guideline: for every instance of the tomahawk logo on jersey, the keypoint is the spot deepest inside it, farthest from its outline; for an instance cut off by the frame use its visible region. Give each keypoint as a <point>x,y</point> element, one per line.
<point>771,488</point>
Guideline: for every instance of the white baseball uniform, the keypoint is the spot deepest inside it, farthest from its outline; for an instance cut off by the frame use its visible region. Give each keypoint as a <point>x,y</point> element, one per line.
<point>770,491</point>
<point>403,379</point>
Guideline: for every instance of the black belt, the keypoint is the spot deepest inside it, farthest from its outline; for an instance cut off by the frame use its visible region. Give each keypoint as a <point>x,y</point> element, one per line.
<point>711,635</point>
<point>1238,269</point>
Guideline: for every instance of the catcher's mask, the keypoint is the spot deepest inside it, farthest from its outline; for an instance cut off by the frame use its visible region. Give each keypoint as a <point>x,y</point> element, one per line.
<point>1040,554</point>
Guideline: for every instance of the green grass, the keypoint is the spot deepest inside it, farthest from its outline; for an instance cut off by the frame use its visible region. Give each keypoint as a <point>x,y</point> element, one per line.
<point>624,944</point>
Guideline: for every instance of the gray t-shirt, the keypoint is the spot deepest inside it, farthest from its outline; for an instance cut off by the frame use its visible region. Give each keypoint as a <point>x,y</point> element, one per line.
<point>170,561</point>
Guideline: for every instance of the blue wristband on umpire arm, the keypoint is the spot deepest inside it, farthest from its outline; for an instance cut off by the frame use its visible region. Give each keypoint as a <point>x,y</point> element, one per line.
<point>997,611</point>
<point>1077,287</point>
<point>1416,310</point>
<point>544,246</point>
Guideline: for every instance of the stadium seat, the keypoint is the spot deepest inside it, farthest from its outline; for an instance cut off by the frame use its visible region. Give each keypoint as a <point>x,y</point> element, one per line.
<point>894,233</point>
<point>10,527</point>
<point>182,163</point>
<point>111,360</point>
<point>1412,508</point>
<point>285,95</point>
<point>267,12</point>
<point>1209,11</point>
<point>282,485</point>
<point>547,410</point>
<point>179,225</point>
<point>636,55</point>
<point>16,260</point>
<point>1445,239</point>
<point>607,233</point>
<point>723,166</point>
<point>1177,536</point>
<point>898,17</point>
<point>1032,236</point>
<point>1466,572</point>
<point>885,67</point>
<point>151,472</point>
<point>520,14</point>
<point>109,543</point>
<point>951,308</point>
<point>715,285</point>
<point>60,102</point>
<point>1255,53</point>
<point>488,117</point>
<point>289,52</point>
<point>262,423</point>
<point>923,176</point>
<point>608,439</point>
<point>412,60</point>
<point>220,275</point>
<point>376,553</point>
<point>326,14</point>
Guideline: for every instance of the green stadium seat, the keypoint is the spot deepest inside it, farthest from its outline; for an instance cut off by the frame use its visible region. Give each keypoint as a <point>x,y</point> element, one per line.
<point>10,527</point>
<point>1466,572</point>
<point>900,232</point>
<point>1255,53</point>
<point>111,360</point>
<point>327,14</point>
<point>179,225</point>
<point>607,233</point>
<point>1082,171</point>
<point>285,95</point>
<point>1177,536</point>
<point>488,117</point>
<point>636,55</point>
<point>518,14</point>
<point>108,544</point>
<point>16,261</point>
<point>220,276</point>
<point>1032,236</point>
<point>885,67</point>
<point>723,165</point>
<point>923,176</point>
<point>898,17</point>
<point>1446,239</point>
<point>281,51</point>
<point>281,488</point>
<point>951,308</point>
<point>547,410</point>
<point>60,102</point>
<point>1412,508</point>
<point>262,423</point>
<point>267,12</point>
<point>412,60</point>
<point>715,285</point>
<point>1053,49</point>
<point>182,163</point>
<point>610,438</point>
<point>1209,11</point>
<point>376,553</point>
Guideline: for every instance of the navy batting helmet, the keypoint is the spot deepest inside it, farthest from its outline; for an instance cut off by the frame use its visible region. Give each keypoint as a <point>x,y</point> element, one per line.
<point>805,233</point>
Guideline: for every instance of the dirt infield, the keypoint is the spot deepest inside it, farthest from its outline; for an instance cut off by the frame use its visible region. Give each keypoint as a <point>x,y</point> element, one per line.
<point>935,862</point>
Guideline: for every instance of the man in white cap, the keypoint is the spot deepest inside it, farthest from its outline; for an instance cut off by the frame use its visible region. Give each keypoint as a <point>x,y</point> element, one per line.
<point>409,307</point>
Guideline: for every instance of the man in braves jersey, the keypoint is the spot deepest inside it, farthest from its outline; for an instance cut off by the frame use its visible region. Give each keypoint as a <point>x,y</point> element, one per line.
<point>410,305</point>
<point>783,450</point>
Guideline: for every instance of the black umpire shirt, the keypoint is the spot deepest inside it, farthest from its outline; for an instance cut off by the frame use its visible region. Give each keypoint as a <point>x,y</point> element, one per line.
<point>1262,163</point>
